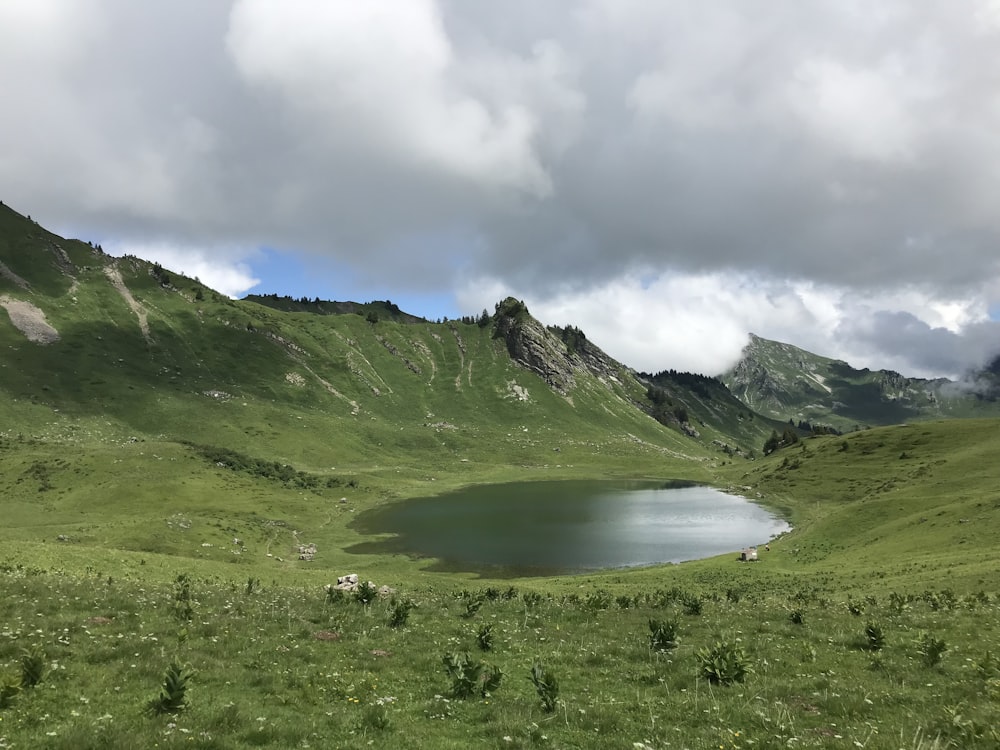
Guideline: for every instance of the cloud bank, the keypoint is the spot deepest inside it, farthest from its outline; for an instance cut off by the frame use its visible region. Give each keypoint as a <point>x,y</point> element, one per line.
<point>667,175</point>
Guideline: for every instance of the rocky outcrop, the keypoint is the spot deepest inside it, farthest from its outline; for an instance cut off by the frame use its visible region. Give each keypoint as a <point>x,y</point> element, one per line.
<point>532,346</point>
<point>557,355</point>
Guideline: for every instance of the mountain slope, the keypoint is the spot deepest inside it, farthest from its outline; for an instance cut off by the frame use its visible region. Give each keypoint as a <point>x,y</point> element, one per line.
<point>785,382</point>
<point>146,351</point>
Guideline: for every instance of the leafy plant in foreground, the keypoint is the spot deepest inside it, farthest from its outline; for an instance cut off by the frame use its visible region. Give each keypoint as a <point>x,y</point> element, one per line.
<point>173,693</point>
<point>365,593</point>
<point>723,664</point>
<point>531,599</point>
<point>874,637</point>
<point>546,685</point>
<point>484,637</point>
<point>9,688</point>
<point>400,612</point>
<point>32,666</point>
<point>662,635</point>
<point>692,605</point>
<point>931,649</point>
<point>472,606</point>
<point>469,677</point>
<point>183,602</point>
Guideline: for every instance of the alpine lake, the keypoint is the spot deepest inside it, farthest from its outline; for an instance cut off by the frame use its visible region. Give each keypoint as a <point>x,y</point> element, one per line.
<point>565,527</point>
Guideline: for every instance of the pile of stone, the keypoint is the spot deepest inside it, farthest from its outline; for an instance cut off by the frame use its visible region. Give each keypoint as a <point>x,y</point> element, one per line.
<point>351,582</point>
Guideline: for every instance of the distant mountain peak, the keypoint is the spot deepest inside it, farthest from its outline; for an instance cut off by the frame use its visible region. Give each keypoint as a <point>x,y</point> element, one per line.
<point>783,381</point>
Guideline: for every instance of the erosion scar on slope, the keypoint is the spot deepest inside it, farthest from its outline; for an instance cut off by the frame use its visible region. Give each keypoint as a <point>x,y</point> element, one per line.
<point>29,320</point>
<point>138,310</point>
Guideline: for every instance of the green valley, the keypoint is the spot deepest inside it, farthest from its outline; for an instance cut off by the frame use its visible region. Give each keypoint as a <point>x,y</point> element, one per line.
<point>166,453</point>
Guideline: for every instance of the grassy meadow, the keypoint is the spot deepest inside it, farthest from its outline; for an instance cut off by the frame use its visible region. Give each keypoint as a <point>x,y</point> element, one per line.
<point>164,458</point>
<point>873,624</point>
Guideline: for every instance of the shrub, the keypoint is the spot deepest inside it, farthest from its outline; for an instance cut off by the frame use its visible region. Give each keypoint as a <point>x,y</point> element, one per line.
<point>598,600</point>
<point>472,606</point>
<point>546,685</point>
<point>723,664</point>
<point>662,635</point>
<point>469,677</point>
<point>9,688</point>
<point>692,604</point>
<point>484,637</point>
<point>400,612</point>
<point>173,694</point>
<point>365,593</point>
<point>32,666</point>
<point>874,637</point>
<point>531,598</point>
<point>183,602</point>
<point>931,649</point>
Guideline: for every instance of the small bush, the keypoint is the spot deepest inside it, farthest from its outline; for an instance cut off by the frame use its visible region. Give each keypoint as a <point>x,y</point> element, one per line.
<point>173,694</point>
<point>662,635</point>
<point>32,666</point>
<point>692,605</point>
<point>9,688</point>
<point>365,593</point>
<point>484,637</point>
<point>400,612</point>
<point>472,606</point>
<point>874,637</point>
<point>723,664</point>
<point>470,677</point>
<point>546,685</point>
<point>183,601</point>
<point>531,599</point>
<point>931,649</point>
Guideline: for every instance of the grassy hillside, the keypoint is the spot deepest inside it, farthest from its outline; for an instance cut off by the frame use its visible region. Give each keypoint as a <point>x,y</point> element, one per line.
<point>165,450</point>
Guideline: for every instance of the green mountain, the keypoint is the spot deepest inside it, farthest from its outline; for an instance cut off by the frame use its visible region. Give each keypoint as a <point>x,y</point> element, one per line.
<point>784,382</point>
<point>170,459</point>
<point>108,361</point>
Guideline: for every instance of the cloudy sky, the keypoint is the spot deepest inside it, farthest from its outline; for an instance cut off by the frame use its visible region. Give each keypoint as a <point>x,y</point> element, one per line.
<point>668,175</point>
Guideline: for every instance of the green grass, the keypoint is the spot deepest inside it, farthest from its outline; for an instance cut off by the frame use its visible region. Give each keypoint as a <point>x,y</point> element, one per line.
<point>284,666</point>
<point>130,466</point>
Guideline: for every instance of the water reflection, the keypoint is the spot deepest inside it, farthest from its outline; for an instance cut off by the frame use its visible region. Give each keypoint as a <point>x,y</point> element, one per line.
<point>555,527</point>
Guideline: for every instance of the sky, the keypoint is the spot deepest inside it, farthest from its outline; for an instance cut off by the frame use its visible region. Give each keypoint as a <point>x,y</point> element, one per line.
<point>667,175</point>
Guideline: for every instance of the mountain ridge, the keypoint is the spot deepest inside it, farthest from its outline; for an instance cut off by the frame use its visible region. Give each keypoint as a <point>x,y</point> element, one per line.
<point>786,382</point>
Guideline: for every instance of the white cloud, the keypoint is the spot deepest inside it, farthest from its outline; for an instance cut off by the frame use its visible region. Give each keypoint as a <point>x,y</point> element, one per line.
<point>725,169</point>
<point>700,322</point>
<point>223,269</point>
<point>384,75</point>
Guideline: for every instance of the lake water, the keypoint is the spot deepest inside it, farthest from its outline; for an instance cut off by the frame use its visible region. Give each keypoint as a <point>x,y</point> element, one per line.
<point>569,526</point>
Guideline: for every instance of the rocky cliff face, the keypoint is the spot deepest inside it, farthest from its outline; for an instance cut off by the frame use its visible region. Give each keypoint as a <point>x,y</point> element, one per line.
<point>557,355</point>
